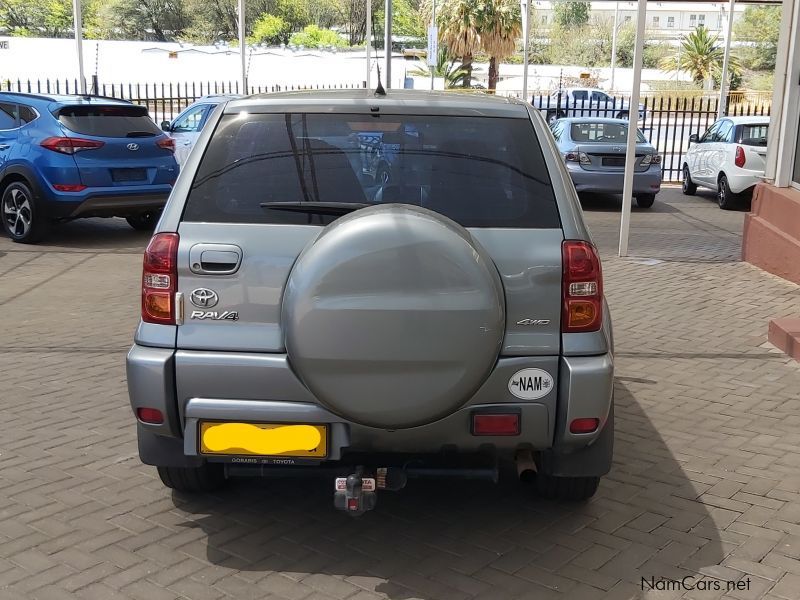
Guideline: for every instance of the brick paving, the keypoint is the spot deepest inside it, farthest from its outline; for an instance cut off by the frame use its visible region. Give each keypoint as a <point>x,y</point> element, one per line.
<point>705,485</point>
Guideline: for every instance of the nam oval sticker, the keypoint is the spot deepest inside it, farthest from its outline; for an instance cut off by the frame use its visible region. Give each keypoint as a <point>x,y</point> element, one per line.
<point>530,384</point>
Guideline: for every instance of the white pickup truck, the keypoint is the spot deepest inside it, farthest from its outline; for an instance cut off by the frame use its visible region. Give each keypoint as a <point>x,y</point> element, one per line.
<point>583,102</point>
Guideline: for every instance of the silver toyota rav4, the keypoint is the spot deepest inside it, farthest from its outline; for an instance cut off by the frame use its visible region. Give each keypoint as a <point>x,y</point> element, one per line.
<point>301,316</point>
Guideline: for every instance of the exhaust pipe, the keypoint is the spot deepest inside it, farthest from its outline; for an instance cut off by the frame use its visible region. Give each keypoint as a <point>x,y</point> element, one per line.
<point>526,467</point>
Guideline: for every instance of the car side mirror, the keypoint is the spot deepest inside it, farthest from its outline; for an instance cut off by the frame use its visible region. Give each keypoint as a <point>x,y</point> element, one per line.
<point>165,125</point>
<point>694,138</point>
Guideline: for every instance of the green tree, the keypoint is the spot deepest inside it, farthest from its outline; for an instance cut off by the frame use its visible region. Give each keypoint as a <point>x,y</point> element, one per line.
<point>271,30</point>
<point>445,67</point>
<point>160,20</point>
<point>760,25</point>
<point>315,37</point>
<point>499,27</point>
<point>701,55</point>
<point>569,14</point>
<point>458,22</point>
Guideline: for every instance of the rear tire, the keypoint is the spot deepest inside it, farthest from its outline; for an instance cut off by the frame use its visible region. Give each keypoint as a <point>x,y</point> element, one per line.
<point>645,200</point>
<point>569,489</point>
<point>23,218</point>
<point>726,199</point>
<point>689,188</point>
<point>193,480</point>
<point>145,221</point>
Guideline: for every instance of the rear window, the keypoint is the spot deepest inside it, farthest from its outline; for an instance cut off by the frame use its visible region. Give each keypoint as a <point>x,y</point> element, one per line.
<point>754,135</point>
<point>108,121</point>
<point>479,171</point>
<point>603,133</point>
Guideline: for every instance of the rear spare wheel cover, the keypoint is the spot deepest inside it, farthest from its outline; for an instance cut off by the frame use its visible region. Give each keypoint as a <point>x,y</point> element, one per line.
<point>393,316</point>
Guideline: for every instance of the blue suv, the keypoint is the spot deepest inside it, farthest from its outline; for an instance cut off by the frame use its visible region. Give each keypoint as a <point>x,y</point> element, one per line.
<point>64,157</point>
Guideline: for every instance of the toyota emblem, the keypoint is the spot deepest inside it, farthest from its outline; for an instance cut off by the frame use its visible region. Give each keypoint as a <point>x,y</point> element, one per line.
<point>204,298</point>
<point>133,147</point>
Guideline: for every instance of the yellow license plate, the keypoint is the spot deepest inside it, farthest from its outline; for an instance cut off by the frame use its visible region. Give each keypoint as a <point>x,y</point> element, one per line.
<point>264,439</point>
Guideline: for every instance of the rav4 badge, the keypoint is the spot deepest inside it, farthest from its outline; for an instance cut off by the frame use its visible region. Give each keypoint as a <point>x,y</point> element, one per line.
<point>213,315</point>
<point>530,384</point>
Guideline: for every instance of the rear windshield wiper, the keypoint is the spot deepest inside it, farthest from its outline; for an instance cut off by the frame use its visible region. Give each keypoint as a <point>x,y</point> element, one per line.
<point>317,208</point>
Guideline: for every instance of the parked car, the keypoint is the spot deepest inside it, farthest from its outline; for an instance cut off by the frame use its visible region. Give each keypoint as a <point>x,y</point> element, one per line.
<point>186,127</point>
<point>593,150</point>
<point>583,102</point>
<point>292,326</point>
<point>728,158</point>
<point>64,157</point>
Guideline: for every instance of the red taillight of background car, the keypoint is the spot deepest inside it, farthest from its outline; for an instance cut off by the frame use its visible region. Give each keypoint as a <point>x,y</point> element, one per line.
<point>582,287</point>
<point>70,145</point>
<point>167,143</point>
<point>160,279</point>
<point>740,158</point>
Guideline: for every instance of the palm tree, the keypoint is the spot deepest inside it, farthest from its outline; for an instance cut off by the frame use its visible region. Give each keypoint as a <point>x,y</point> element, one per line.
<point>469,26</point>
<point>500,27</point>
<point>445,67</point>
<point>701,55</point>
<point>458,22</point>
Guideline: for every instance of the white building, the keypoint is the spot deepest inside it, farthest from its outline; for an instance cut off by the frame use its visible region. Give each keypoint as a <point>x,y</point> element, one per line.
<point>665,19</point>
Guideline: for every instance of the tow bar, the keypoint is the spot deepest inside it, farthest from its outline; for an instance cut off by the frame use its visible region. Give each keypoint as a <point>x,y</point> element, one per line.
<point>357,493</point>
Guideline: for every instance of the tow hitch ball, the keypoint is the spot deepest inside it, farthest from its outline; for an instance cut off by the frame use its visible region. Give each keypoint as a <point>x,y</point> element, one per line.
<point>356,494</point>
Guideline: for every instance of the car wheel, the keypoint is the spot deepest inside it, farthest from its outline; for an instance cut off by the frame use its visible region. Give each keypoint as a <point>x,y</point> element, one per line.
<point>623,114</point>
<point>192,480</point>
<point>22,217</point>
<point>145,221</point>
<point>725,197</point>
<point>689,188</point>
<point>645,200</point>
<point>566,488</point>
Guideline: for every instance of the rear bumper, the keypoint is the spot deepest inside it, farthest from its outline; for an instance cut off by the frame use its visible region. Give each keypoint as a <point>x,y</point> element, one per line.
<point>611,182</point>
<point>182,385</point>
<point>103,203</point>
<point>740,180</point>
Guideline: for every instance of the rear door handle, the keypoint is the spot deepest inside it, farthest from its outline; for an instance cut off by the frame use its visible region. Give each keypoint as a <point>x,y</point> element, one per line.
<point>215,259</point>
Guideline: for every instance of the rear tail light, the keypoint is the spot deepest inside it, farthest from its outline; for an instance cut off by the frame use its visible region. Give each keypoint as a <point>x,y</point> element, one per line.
<point>648,159</point>
<point>70,145</point>
<point>740,157</point>
<point>495,424</point>
<point>578,157</point>
<point>150,415</point>
<point>160,279</point>
<point>582,288</point>
<point>69,187</point>
<point>584,425</point>
<point>167,143</point>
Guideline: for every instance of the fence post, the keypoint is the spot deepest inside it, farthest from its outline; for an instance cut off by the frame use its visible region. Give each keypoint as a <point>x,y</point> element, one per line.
<point>95,85</point>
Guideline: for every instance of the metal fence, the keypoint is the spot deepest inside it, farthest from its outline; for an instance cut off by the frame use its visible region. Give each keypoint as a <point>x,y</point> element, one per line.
<point>667,122</point>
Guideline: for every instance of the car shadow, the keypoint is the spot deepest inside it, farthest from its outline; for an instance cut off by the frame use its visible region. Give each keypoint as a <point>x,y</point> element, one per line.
<point>613,203</point>
<point>110,234</point>
<point>442,539</point>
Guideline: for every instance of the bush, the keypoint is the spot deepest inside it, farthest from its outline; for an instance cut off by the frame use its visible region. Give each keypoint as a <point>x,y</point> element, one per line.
<point>271,30</point>
<point>314,37</point>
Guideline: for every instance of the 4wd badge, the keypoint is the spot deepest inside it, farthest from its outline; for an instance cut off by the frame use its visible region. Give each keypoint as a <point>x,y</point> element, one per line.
<point>530,384</point>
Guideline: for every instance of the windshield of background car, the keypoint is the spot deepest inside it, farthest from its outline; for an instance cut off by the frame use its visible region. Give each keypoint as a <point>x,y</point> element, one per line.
<point>479,171</point>
<point>754,135</point>
<point>602,133</point>
<point>108,121</point>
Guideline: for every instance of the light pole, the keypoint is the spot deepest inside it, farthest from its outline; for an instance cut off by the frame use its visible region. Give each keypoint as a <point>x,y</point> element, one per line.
<point>725,62</point>
<point>387,42</point>
<point>369,42</point>
<point>78,23</point>
<point>243,47</point>
<point>526,26</point>
<point>614,45</point>
<point>433,45</point>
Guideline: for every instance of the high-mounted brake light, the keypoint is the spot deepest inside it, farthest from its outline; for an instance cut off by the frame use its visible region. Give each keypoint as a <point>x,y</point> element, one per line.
<point>582,288</point>
<point>160,279</point>
<point>740,158</point>
<point>167,143</point>
<point>70,145</point>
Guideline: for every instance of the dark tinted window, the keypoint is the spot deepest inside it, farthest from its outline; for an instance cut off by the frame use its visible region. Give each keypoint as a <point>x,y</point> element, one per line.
<point>8,116</point>
<point>723,133</point>
<point>580,95</point>
<point>479,171</point>
<point>108,121</point>
<point>603,133</point>
<point>26,115</point>
<point>753,135</point>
